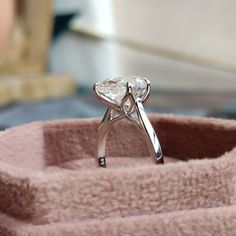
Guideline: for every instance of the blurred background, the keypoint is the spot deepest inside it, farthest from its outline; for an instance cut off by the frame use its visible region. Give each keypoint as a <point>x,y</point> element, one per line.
<point>52,52</point>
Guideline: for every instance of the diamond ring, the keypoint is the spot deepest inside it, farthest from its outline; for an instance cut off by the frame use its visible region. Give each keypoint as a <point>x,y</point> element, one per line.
<point>125,95</point>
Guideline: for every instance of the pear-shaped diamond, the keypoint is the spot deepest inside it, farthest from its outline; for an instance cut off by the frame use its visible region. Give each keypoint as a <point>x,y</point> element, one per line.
<point>114,90</point>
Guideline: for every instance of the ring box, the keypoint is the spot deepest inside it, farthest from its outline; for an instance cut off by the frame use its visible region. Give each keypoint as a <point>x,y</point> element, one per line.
<point>50,183</point>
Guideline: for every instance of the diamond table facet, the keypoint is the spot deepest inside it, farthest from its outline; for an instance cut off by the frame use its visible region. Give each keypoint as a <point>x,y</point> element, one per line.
<point>114,90</point>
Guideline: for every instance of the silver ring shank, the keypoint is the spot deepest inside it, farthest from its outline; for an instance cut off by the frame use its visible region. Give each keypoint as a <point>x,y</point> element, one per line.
<point>141,121</point>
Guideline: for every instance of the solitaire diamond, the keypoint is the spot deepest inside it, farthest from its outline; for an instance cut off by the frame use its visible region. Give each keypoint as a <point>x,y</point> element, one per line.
<point>114,90</point>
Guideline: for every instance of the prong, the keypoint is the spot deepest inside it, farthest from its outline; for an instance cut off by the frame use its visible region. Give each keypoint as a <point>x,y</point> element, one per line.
<point>94,87</point>
<point>147,91</point>
<point>95,90</point>
<point>129,93</point>
<point>128,89</point>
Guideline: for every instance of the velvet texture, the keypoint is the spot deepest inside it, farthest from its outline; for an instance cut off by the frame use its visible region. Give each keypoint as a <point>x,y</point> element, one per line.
<point>50,183</point>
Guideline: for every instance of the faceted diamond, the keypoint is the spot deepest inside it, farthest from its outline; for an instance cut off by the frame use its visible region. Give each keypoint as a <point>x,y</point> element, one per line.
<point>114,89</point>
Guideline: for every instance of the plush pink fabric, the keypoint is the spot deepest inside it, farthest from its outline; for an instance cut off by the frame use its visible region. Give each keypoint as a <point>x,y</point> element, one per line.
<point>50,184</point>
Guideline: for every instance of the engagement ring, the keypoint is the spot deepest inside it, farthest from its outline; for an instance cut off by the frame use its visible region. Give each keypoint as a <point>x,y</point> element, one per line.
<point>124,96</point>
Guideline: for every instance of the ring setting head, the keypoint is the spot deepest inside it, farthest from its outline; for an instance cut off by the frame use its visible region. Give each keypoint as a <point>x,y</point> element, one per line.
<point>114,92</point>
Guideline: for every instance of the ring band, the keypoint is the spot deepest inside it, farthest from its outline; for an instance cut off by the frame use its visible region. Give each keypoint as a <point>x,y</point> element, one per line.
<point>125,96</point>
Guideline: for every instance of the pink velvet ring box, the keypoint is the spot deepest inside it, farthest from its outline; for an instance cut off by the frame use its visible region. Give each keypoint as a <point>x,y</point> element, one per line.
<point>50,183</point>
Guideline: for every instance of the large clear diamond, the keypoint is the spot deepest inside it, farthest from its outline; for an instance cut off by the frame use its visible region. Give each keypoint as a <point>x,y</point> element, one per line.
<point>114,89</point>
